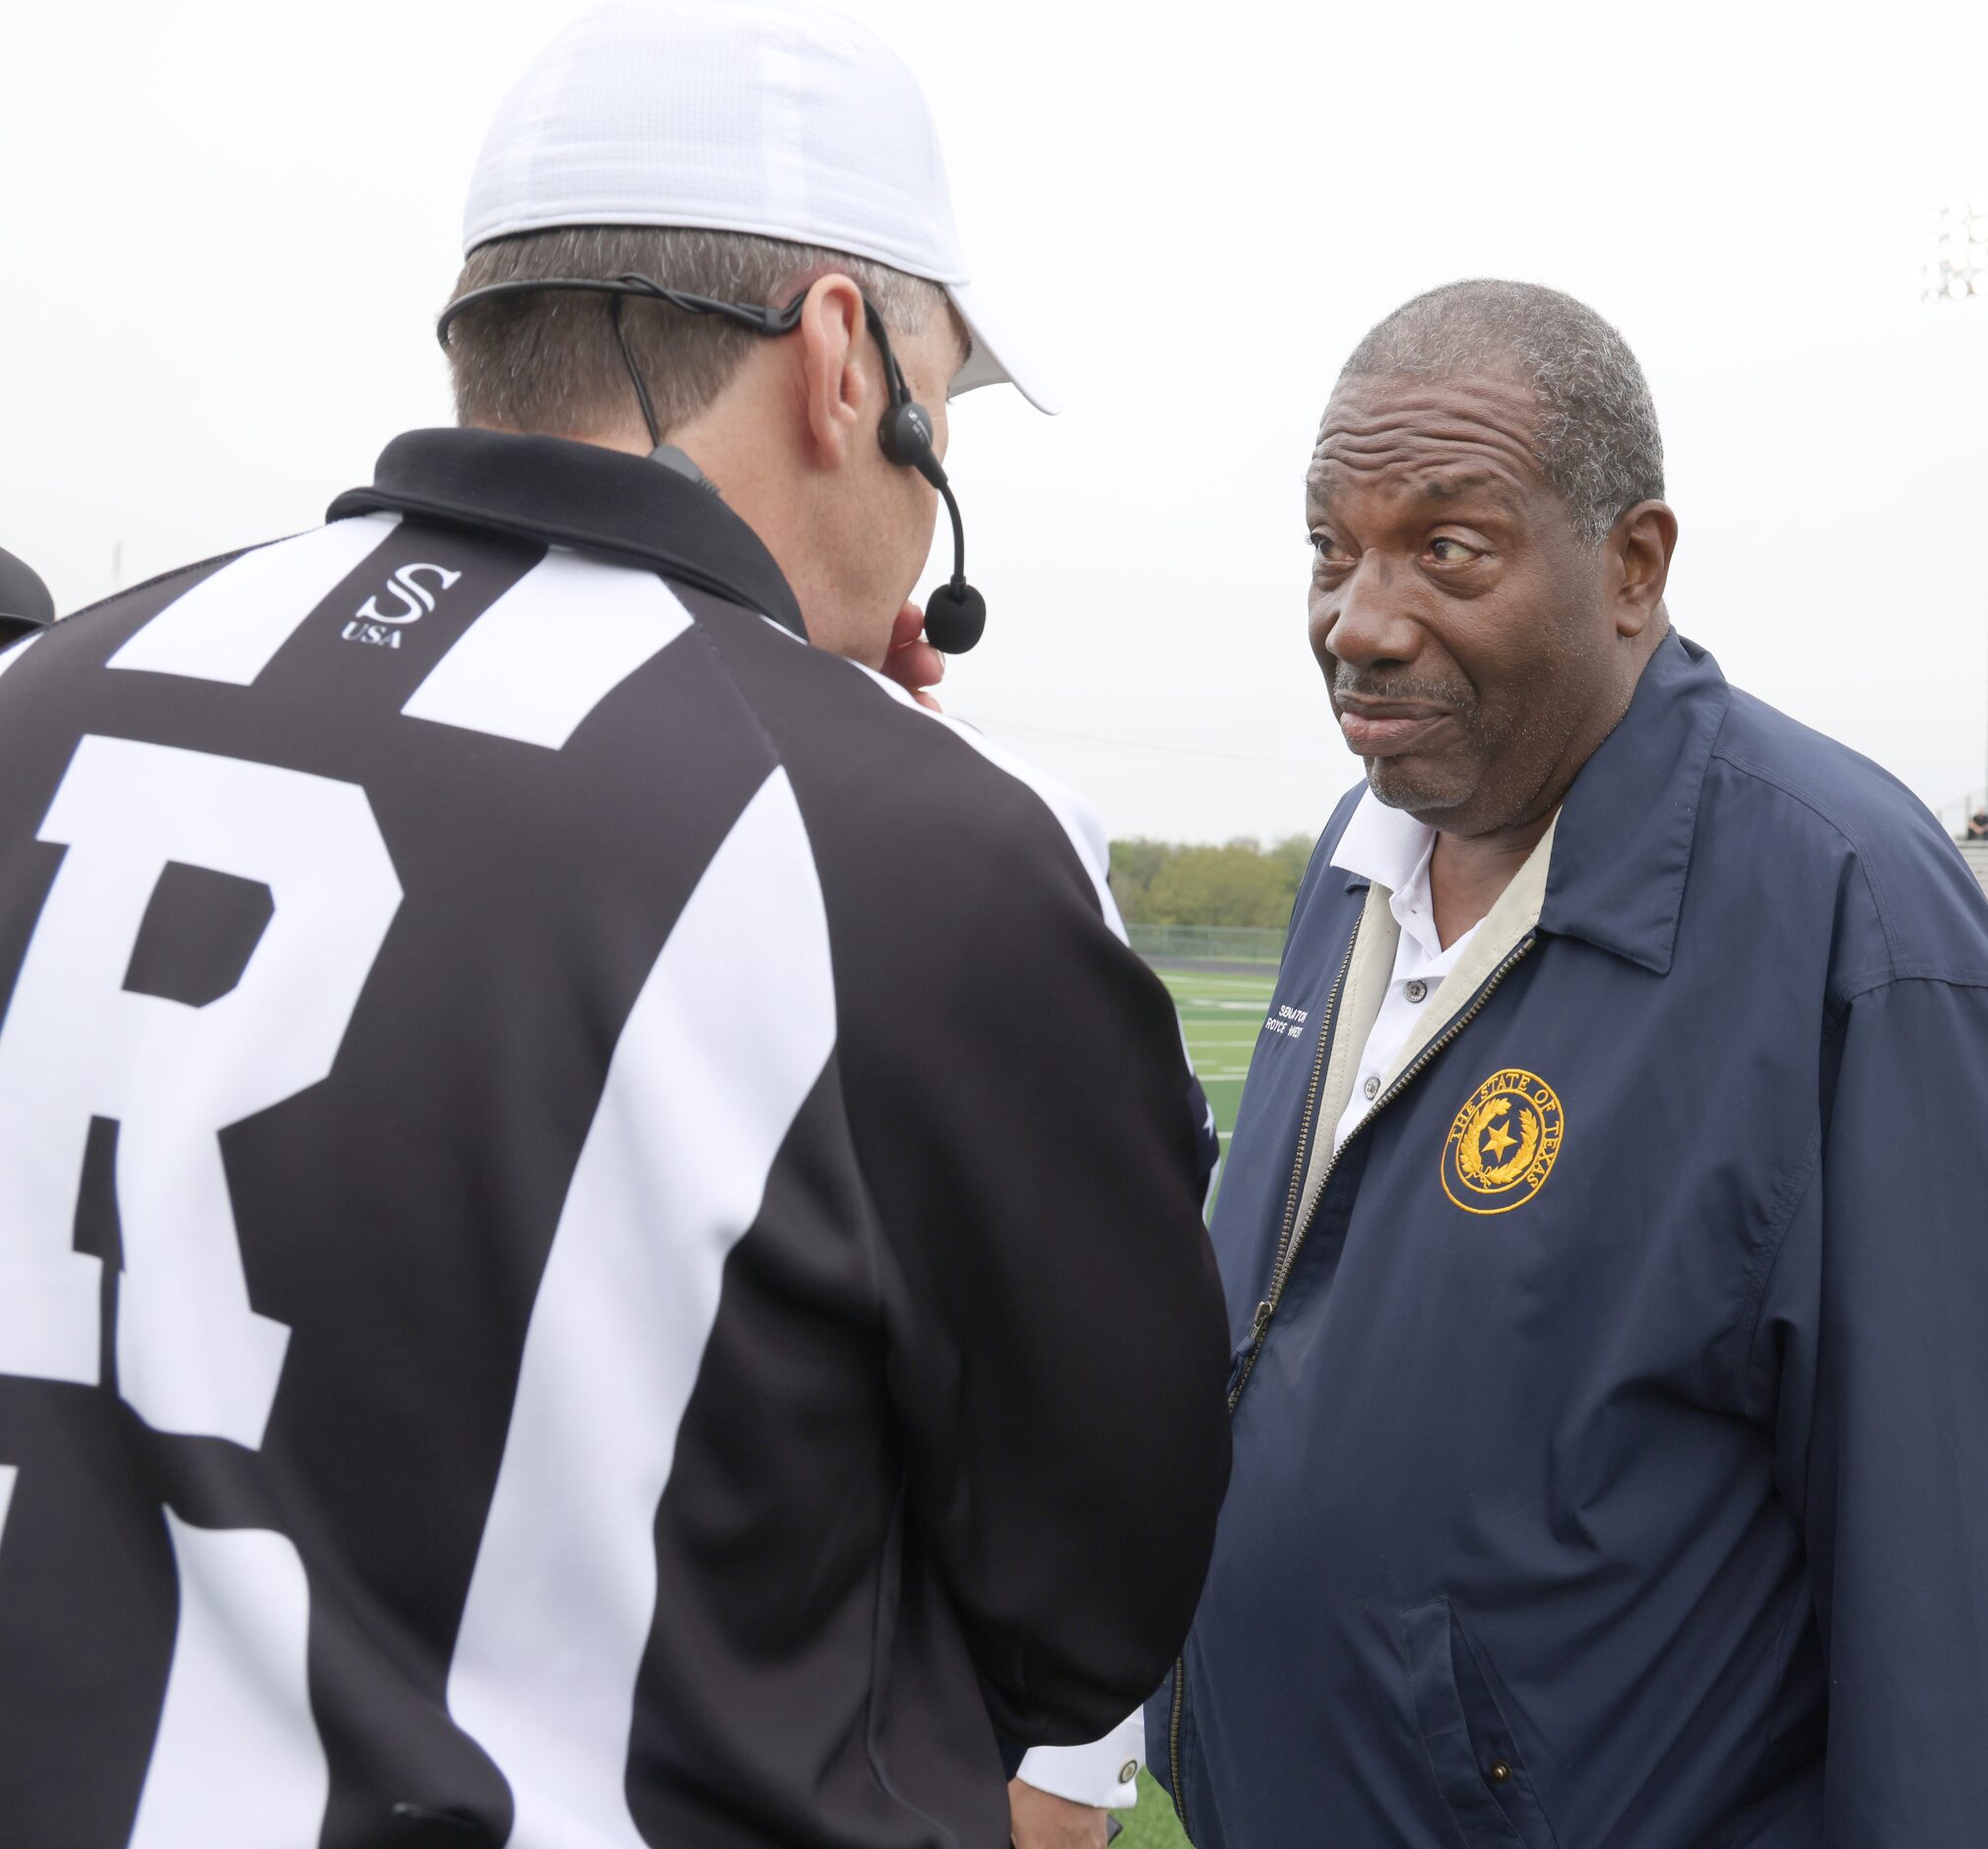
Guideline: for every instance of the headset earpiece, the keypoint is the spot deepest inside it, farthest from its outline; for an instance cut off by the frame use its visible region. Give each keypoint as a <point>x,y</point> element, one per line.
<point>905,435</point>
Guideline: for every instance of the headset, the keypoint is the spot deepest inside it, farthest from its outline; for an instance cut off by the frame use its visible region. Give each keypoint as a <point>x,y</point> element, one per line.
<point>955,614</point>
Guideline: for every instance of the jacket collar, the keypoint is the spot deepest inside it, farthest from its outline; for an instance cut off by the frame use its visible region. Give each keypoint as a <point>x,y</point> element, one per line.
<point>596,500</point>
<point>1623,845</point>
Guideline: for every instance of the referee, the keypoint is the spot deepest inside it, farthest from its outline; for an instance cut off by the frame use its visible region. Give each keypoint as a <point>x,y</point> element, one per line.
<point>599,1233</point>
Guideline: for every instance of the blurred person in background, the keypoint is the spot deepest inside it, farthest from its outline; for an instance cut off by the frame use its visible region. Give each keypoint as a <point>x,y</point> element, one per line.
<point>1606,1272</point>
<point>600,1235</point>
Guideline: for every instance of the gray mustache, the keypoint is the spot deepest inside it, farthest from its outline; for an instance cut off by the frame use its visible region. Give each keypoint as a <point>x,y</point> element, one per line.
<point>1367,687</point>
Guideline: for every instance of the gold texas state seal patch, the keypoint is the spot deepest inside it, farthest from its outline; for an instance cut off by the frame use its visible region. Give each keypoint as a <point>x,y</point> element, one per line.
<point>1502,1144</point>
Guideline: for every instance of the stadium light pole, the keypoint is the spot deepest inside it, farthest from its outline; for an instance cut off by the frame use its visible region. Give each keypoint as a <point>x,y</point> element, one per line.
<point>1958,271</point>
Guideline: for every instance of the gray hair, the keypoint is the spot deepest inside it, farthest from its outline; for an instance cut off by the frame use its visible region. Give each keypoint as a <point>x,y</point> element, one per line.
<point>550,362</point>
<point>1596,440</point>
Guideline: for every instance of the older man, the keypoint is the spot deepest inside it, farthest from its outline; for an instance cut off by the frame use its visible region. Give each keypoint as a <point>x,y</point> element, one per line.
<point>1608,1271</point>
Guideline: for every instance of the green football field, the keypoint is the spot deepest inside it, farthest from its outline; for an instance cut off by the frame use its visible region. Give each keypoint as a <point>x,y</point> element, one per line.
<point>1150,1823</point>
<point>1222,1013</point>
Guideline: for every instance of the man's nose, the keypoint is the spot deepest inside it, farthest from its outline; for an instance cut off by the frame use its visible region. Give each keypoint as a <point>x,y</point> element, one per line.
<point>1366,621</point>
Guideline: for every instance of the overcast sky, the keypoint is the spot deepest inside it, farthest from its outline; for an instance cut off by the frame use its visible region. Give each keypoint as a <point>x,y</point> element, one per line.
<point>227,227</point>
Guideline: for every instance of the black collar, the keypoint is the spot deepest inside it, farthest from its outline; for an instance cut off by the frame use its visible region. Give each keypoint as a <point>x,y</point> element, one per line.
<point>597,500</point>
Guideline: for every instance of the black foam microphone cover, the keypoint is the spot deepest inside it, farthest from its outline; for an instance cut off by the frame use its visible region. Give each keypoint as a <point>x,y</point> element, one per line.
<point>955,614</point>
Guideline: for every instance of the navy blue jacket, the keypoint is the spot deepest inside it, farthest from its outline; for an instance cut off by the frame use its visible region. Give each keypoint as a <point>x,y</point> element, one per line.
<point>1651,1511</point>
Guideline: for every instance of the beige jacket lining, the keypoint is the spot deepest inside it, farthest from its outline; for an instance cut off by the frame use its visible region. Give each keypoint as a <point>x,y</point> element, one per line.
<point>1510,919</point>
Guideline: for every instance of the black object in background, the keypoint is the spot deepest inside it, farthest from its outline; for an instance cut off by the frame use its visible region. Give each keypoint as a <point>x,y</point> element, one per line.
<point>24,602</point>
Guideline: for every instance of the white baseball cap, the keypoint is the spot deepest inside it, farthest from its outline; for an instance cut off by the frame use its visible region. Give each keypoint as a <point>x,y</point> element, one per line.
<point>776,117</point>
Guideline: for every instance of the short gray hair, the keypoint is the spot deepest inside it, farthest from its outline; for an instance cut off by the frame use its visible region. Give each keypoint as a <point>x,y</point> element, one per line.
<point>550,362</point>
<point>1596,440</point>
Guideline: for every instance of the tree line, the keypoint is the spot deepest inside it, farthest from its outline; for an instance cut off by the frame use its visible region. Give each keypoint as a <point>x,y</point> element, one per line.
<point>1241,883</point>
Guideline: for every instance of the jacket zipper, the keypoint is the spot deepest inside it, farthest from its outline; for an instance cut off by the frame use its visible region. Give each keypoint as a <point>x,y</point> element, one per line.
<point>1174,1742</point>
<point>1283,1236</point>
<point>1281,1276</point>
<point>1293,1238</point>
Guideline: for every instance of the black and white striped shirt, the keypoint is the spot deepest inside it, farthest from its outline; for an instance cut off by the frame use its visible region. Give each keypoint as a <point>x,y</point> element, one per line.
<point>598,1236</point>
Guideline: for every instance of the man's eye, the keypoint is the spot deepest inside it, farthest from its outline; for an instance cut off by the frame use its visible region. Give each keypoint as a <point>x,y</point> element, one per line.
<point>1452,551</point>
<point>1328,550</point>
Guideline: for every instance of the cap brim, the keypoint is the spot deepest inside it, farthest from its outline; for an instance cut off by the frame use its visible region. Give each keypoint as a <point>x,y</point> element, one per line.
<point>996,358</point>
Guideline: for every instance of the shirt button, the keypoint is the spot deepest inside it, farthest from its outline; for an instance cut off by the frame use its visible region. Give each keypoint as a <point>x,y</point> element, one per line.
<point>1129,1772</point>
<point>1501,1772</point>
<point>1418,991</point>
<point>1372,1088</point>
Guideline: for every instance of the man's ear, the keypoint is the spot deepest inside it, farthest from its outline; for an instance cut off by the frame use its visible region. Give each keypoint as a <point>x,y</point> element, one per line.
<point>834,382</point>
<point>1641,548</point>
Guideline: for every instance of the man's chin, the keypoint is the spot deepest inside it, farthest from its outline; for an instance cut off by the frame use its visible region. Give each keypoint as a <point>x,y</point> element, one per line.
<point>1428,792</point>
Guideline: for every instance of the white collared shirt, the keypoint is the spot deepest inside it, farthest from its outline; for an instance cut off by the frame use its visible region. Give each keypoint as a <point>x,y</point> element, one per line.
<point>1390,847</point>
